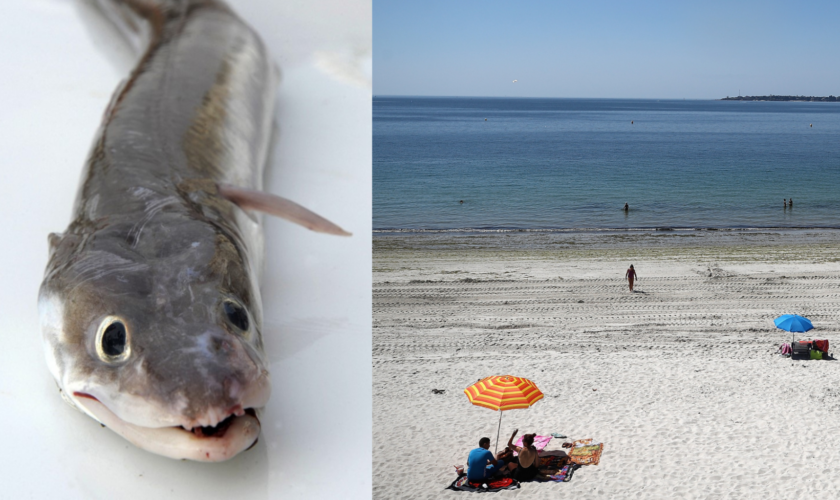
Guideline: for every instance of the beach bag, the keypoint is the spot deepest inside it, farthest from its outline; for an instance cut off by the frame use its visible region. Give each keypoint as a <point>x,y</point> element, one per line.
<point>821,345</point>
<point>801,350</point>
<point>815,354</point>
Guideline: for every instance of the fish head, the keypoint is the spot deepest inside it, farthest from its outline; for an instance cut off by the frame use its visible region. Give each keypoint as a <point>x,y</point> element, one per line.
<point>159,337</point>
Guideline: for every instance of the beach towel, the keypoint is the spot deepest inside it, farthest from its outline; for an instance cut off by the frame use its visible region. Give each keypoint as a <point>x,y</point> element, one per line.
<point>785,349</point>
<point>461,484</point>
<point>540,442</point>
<point>585,452</point>
<point>565,474</point>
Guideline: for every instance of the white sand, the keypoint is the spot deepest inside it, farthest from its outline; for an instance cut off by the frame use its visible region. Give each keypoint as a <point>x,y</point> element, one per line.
<point>680,381</point>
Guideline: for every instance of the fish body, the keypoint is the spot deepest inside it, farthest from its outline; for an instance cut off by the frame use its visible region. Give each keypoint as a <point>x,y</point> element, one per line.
<point>150,305</point>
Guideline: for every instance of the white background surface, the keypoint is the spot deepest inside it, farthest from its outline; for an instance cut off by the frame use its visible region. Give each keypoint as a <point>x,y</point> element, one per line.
<point>316,436</point>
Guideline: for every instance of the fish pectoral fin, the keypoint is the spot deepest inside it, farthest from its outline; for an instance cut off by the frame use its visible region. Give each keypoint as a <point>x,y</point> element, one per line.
<point>248,199</point>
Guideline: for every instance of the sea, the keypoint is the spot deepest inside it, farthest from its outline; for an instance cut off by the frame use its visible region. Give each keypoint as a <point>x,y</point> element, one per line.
<point>472,165</point>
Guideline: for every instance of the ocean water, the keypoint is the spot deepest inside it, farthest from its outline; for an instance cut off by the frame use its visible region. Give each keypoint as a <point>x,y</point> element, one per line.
<point>571,164</point>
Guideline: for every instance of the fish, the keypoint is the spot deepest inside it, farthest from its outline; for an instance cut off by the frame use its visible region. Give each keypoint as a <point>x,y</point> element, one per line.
<point>150,309</point>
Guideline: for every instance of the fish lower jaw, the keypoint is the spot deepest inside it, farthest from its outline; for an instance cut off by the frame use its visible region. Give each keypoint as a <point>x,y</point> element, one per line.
<point>234,434</point>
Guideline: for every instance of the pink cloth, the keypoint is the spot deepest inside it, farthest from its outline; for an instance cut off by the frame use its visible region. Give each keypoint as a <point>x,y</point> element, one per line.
<point>540,442</point>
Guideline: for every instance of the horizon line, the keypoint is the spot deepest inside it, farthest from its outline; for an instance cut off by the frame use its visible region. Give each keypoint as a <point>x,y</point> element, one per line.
<point>549,97</point>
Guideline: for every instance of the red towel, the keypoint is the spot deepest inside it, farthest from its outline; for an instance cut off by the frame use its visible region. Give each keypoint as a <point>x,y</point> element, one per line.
<point>499,483</point>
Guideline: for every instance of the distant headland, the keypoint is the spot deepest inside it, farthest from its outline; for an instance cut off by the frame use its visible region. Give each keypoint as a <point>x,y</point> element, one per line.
<point>796,98</point>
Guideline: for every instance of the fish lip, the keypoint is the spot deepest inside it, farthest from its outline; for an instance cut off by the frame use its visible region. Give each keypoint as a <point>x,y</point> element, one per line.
<point>176,442</point>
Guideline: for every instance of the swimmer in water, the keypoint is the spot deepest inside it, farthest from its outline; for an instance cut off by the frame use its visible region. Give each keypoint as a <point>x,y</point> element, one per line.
<point>790,202</point>
<point>461,202</point>
<point>626,207</point>
<point>785,202</point>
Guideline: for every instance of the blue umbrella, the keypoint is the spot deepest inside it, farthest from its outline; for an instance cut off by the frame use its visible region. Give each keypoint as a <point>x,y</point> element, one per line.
<point>793,323</point>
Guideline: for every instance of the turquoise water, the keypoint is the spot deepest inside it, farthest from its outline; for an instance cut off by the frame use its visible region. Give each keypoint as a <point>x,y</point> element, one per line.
<point>571,164</point>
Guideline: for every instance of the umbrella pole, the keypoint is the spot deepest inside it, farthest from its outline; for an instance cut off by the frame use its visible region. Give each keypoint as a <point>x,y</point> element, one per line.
<point>497,432</point>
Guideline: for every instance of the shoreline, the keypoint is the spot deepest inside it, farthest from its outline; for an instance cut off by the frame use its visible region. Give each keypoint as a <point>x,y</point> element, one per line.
<point>751,242</point>
<point>402,231</point>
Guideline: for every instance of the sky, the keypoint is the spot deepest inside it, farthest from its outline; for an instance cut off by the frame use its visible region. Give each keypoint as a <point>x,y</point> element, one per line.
<point>605,49</point>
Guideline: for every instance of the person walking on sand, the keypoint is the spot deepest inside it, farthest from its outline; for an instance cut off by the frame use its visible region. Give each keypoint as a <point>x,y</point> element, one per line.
<point>631,275</point>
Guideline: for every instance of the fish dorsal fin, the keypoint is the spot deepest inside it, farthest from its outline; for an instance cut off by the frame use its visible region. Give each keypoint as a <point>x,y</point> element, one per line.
<point>248,199</point>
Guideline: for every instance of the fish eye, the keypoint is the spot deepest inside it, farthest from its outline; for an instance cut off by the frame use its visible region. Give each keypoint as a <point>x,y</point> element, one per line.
<point>236,315</point>
<point>112,340</point>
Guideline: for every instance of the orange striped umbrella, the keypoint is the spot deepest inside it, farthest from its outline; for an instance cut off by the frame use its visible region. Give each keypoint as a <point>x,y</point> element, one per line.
<point>503,392</point>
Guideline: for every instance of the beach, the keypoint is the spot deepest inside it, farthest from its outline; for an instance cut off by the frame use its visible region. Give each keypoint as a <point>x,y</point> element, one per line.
<point>680,380</point>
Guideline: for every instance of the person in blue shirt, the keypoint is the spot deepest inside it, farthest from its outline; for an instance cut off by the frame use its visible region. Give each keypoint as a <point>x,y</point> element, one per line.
<point>478,461</point>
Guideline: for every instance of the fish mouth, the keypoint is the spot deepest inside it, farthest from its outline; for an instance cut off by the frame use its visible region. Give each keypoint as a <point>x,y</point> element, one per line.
<point>218,431</point>
<point>232,435</point>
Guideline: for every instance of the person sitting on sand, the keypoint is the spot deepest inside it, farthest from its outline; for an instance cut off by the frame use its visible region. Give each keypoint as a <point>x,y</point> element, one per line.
<point>478,470</point>
<point>528,461</point>
<point>631,275</point>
